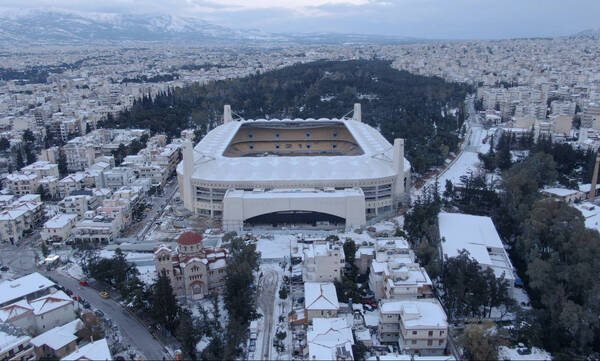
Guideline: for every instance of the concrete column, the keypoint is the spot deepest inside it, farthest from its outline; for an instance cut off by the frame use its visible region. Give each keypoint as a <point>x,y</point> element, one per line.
<point>188,170</point>
<point>357,115</point>
<point>398,164</point>
<point>227,114</point>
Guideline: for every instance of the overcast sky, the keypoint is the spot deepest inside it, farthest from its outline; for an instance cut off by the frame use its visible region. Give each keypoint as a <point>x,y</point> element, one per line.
<point>439,19</point>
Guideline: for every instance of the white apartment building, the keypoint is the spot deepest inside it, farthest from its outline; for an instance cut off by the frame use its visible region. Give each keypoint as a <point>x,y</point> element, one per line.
<point>50,186</point>
<point>78,204</point>
<point>418,326</point>
<point>18,218</point>
<point>97,230</point>
<point>71,183</point>
<point>118,177</point>
<point>22,183</point>
<point>116,208</point>
<point>58,228</point>
<point>323,261</point>
<point>28,287</point>
<point>42,169</point>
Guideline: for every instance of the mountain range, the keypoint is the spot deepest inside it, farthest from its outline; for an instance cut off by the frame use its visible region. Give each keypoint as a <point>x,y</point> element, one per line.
<point>58,27</point>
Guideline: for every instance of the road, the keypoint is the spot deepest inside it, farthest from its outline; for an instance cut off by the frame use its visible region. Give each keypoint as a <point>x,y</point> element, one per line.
<point>159,205</point>
<point>467,157</point>
<point>131,328</point>
<point>267,287</point>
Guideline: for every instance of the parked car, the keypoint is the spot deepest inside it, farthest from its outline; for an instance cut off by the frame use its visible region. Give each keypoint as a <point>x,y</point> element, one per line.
<point>83,283</point>
<point>86,304</point>
<point>99,313</point>
<point>69,292</point>
<point>104,294</point>
<point>77,298</point>
<point>300,299</point>
<point>4,268</point>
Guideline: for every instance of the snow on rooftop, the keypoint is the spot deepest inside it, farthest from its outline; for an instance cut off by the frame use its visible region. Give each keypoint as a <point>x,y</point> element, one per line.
<point>320,296</point>
<point>50,302</point>
<point>422,313</point>
<point>328,337</point>
<point>561,192</point>
<point>59,337</point>
<point>60,220</point>
<point>375,162</point>
<point>97,350</point>
<point>21,287</point>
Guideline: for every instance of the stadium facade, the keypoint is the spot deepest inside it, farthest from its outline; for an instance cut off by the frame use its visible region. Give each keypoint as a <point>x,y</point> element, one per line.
<point>319,171</point>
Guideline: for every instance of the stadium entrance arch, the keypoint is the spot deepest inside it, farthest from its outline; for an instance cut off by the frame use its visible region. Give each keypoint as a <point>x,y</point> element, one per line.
<point>277,207</point>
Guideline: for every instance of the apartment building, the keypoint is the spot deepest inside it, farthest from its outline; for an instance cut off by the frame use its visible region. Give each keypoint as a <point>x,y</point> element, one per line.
<point>323,261</point>
<point>15,345</point>
<point>59,227</point>
<point>417,326</point>
<point>97,230</point>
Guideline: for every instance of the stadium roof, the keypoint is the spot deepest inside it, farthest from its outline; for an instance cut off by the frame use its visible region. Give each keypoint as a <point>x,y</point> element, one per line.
<point>375,163</point>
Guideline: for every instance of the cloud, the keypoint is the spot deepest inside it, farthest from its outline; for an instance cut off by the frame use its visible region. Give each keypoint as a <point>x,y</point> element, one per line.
<point>439,19</point>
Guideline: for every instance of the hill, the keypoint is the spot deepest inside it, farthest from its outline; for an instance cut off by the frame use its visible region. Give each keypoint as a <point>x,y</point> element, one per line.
<point>426,111</point>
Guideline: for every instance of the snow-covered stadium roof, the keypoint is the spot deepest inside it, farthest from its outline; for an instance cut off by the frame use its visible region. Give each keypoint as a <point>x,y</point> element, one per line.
<point>212,165</point>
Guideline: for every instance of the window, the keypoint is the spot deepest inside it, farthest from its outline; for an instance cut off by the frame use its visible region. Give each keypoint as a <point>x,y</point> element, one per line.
<point>251,146</point>
<point>335,134</point>
<point>441,342</point>
<point>250,135</point>
<point>429,342</point>
<point>414,342</point>
<point>414,332</point>
<point>430,333</point>
<point>308,146</point>
<point>307,135</point>
<point>277,135</point>
<point>441,333</point>
<point>276,146</point>
<point>334,146</point>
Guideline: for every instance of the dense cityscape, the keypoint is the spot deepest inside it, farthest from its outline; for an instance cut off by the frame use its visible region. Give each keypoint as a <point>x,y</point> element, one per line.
<point>293,225</point>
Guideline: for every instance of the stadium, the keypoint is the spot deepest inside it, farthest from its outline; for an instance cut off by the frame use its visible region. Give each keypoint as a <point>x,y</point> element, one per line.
<point>316,172</point>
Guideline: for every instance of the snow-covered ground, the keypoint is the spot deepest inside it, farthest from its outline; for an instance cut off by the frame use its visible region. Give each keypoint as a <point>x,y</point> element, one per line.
<point>147,274</point>
<point>73,270</point>
<point>506,353</point>
<point>275,247</point>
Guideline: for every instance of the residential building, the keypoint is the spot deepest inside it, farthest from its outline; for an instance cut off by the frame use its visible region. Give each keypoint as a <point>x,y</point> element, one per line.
<point>59,227</point>
<point>564,194</point>
<point>58,342</point>
<point>95,350</point>
<point>418,326</point>
<point>194,270</point>
<point>22,183</point>
<point>320,300</point>
<point>329,339</point>
<point>28,287</point>
<point>15,344</point>
<point>323,261</point>
<point>97,230</point>
<point>42,169</point>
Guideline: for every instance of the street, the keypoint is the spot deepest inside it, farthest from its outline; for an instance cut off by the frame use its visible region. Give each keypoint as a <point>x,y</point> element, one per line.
<point>266,302</point>
<point>131,329</point>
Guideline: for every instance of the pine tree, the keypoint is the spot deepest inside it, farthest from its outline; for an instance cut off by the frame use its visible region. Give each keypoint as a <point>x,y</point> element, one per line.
<point>62,163</point>
<point>19,161</point>
<point>164,307</point>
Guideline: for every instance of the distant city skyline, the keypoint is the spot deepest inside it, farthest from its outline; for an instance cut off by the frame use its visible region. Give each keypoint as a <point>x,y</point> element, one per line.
<point>433,19</point>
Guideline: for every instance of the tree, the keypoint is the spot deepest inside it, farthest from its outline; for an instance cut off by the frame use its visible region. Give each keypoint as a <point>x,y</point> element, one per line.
<point>62,163</point>
<point>480,342</point>
<point>350,251</point>
<point>45,250</point>
<point>164,307</point>
<point>28,136</point>
<point>187,333</point>
<point>4,144</point>
<point>283,292</point>
<point>19,161</point>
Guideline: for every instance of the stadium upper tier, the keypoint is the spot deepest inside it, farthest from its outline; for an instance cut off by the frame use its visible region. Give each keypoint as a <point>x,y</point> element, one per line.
<point>224,154</point>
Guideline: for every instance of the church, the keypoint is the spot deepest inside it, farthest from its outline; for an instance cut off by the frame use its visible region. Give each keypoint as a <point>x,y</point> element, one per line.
<point>194,270</point>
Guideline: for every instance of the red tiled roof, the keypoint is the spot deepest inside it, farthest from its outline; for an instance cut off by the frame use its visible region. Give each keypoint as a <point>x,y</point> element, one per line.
<point>189,238</point>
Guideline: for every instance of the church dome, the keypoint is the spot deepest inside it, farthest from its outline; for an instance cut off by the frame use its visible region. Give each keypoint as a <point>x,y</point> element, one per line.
<point>189,239</point>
